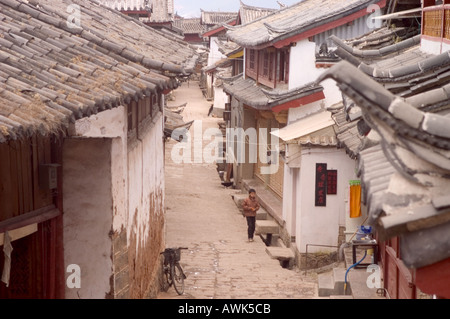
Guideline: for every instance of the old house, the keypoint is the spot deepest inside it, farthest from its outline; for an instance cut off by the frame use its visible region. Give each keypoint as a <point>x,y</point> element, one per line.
<point>81,149</point>
<point>283,53</point>
<point>396,96</point>
<point>155,13</point>
<point>217,61</point>
<point>192,30</point>
<point>226,57</point>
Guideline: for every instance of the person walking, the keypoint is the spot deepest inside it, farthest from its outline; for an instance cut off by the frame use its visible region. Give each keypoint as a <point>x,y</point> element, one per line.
<point>250,207</point>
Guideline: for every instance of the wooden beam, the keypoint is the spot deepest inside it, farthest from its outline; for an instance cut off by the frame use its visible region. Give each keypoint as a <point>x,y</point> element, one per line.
<point>36,216</point>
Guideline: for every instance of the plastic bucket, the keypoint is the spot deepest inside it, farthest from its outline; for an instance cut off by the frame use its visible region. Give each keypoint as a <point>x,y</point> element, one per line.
<point>363,231</point>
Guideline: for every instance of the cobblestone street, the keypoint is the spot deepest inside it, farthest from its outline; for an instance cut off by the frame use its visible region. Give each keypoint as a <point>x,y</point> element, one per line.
<point>202,216</point>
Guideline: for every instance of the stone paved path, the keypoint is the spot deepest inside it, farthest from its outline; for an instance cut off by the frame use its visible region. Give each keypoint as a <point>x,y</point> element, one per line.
<point>201,215</point>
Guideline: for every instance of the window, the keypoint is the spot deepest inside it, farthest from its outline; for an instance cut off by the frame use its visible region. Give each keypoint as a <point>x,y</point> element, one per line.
<point>283,66</point>
<point>252,59</point>
<point>268,66</point>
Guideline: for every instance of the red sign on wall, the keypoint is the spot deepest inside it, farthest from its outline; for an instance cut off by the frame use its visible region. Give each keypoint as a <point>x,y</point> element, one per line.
<point>321,184</point>
<point>332,182</point>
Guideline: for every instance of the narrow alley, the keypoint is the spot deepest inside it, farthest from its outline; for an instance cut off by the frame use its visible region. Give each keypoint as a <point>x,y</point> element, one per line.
<point>201,215</point>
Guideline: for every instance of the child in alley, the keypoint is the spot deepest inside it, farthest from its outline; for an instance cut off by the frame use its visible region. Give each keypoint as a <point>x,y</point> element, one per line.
<point>250,207</point>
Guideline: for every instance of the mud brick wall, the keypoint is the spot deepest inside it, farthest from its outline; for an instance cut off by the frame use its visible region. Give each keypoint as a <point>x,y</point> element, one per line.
<point>137,275</point>
<point>121,275</point>
<point>144,256</point>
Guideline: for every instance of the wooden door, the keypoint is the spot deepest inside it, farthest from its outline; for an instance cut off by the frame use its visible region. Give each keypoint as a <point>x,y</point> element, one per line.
<point>398,279</point>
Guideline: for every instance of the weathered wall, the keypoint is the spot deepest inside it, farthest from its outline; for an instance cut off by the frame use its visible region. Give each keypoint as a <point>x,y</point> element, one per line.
<point>320,225</point>
<point>145,209</point>
<point>87,214</point>
<point>305,53</point>
<point>132,174</point>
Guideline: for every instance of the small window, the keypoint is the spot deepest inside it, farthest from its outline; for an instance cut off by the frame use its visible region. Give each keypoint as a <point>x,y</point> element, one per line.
<point>252,59</point>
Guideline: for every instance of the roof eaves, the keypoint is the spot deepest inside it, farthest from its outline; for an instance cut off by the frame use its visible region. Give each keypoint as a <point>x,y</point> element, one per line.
<point>280,37</point>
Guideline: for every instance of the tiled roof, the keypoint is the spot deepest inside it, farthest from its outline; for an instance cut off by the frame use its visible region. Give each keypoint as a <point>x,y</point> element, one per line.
<point>406,177</point>
<point>127,5</point>
<point>190,25</point>
<point>379,52</point>
<point>382,37</point>
<point>227,47</point>
<point>347,133</point>
<point>159,11</point>
<point>216,17</point>
<point>52,72</point>
<point>250,13</point>
<point>247,91</point>
<point>174,120</point>
<point>293,20</point>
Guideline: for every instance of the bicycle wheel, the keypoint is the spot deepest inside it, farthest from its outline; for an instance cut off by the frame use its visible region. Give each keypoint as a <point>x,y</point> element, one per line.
<point>167,279</point>
<point>178,278</point>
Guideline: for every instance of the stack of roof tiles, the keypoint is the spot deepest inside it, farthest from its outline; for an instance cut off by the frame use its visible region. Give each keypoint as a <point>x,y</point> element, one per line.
<point>64,60</point>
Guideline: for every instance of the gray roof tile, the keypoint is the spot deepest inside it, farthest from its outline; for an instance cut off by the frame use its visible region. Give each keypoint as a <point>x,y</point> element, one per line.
<point>247,91</point>
<point>294,20</point>
<point>54,74</point>
<point>405,177</point>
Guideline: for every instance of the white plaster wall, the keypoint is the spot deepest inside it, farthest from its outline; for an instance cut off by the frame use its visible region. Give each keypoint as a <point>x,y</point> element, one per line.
<point>111,124</point>
<point>214,53</point>
<point>433,47</point>
<point>290,194</point>
<point>145,177</point>
<point>220,98</point>
<point>302,70</point>
<point>109,186</point>
<point>136,171</point>
<point>287,199</point>
<point>87,214</point>
<point>320,225</point>
<point>213,56</point>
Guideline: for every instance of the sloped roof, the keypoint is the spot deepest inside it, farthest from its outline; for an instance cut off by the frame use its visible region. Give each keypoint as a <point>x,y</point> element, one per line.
<point>297,19</point>
<point>159,11</point>
<point>381,37</point>
<point>406,177</point>
<point>127,5</point>
<point>53,72</point>
<point>216,17</point>
<point>347,133</point>
<point>190,25</point>
<point>250,13</point>
<point>247,91</point>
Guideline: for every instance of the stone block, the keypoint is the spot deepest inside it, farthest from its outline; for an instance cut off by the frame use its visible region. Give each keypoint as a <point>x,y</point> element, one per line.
<point>280,253</point>
<point>267,227</point>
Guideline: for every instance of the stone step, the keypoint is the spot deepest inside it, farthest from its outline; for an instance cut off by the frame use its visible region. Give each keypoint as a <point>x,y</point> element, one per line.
<point>271,239</point>
<point>238,199</point>
<point>267,227</point>
<point>280,253</point>
<point>261,214</point>
<point>333,283</point>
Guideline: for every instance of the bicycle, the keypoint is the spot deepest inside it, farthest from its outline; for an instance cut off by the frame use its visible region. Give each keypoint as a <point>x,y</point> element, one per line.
<point>173,273</point>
